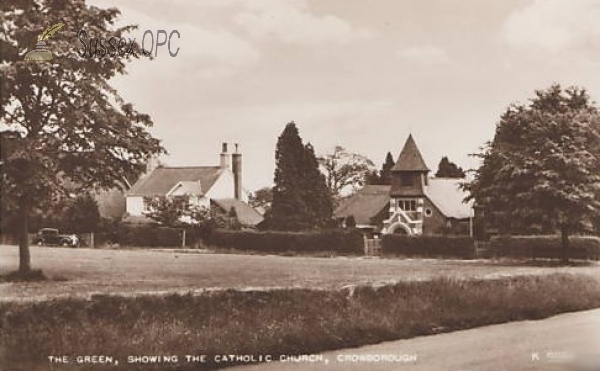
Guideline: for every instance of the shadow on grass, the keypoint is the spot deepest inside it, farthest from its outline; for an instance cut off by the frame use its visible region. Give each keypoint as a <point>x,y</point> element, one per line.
<point>34,275</point>
<point>545,263</point>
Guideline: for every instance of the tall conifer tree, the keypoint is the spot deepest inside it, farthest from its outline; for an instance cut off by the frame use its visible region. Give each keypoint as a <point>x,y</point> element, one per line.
<point>300,196</point>
<point>385,175</point>
<point>317,195</point>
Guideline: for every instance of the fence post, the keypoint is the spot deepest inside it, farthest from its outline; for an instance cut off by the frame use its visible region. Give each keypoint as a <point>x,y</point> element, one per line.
<point>92,240</point>
<point>183,238</point>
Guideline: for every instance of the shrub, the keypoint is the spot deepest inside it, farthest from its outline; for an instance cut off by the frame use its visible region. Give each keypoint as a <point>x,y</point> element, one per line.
<point>549,247</point>
<point>332,241</point>
<point>428,246</point>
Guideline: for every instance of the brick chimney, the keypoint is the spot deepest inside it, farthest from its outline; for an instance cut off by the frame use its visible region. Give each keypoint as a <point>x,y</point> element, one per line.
<point>225,157</point>
<point>237,172</point>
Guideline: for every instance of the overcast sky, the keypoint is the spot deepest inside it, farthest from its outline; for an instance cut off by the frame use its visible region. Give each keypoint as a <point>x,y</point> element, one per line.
<point>361,74</point>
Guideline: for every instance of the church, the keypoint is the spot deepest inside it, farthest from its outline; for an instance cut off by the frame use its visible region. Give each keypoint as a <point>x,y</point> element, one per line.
<point>414,204</point>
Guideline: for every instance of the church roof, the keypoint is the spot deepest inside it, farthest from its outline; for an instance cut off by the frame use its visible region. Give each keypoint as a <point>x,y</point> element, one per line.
<point>365,204</point>
<point>410,158</point>
<point>162,179</point>
<point>444,193</point>
<point>447,196</point>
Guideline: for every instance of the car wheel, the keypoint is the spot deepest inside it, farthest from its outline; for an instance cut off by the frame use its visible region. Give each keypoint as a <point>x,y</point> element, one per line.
<point>65,243</point>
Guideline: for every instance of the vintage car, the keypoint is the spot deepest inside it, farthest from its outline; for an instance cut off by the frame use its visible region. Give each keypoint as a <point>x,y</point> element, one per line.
<point>51,236</point>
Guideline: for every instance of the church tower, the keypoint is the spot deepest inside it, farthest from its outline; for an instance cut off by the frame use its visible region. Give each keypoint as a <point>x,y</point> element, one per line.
<point>407,192</point>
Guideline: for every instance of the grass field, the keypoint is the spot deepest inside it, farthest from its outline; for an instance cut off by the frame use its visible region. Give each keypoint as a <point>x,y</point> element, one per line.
<point>276,322</point>
<point>83,272</point>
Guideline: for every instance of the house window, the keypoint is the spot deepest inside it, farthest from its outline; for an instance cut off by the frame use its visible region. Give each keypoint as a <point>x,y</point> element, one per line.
<point>146,206</point>
<point>428,212</point>
<point>407,205</point>
<point>406,180</point>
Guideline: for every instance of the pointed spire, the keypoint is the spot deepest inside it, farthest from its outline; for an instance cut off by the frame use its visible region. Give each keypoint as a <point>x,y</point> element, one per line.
<point>410,158</point>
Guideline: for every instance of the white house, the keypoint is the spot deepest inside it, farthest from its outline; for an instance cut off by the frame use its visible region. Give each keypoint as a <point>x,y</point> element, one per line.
<point>207,186</point>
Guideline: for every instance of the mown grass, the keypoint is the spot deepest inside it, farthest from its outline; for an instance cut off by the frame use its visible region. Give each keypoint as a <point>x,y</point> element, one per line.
<point>281,321</point>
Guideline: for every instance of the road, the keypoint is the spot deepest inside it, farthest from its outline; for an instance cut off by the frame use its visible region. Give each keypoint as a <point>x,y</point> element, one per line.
<point>517,346</point>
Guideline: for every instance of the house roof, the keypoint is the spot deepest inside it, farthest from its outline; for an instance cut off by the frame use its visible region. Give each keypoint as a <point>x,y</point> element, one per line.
<point>162,179</point>
<point>186,187</point>
<point>444,193</point>
<point>447,196</point>
<point>246,215</point>
<point>364,204</point>
<point>410,158</point>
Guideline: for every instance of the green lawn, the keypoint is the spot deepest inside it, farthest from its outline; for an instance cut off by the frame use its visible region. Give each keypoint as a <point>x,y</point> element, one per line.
<point>81,272</point>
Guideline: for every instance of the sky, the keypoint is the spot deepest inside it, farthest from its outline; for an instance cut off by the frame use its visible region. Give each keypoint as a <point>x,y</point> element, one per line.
<point>360,74</point>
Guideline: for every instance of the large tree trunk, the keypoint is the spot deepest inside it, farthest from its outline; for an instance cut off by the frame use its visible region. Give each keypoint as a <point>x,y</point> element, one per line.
<point>564,234</point>
<point>24,255</point>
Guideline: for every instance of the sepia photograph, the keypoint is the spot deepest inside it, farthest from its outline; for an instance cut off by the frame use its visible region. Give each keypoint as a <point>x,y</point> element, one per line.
<point>300,185</point>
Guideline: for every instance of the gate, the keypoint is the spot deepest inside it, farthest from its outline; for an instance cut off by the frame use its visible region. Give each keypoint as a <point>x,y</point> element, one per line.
<point>372,246</point>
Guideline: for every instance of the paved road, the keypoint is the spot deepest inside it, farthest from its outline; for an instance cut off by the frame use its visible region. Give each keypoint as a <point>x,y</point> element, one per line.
<point>517,346</point>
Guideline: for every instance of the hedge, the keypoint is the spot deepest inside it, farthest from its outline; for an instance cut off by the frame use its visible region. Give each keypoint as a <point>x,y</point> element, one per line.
<point>548,247</point>
<point>428,246</point>
<point>330,241</point>
<point>141,235</point>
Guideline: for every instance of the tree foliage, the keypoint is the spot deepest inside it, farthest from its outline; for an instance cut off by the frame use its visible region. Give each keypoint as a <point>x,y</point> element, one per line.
<point>261,199</point>
<point>542,170</point>
<point>344,171</point>
<point>81,214</point>
<point>64,122</point>
<point>169,211</point>
<point>301,198</point>
<point>448,169</point>
<point>383,176</point>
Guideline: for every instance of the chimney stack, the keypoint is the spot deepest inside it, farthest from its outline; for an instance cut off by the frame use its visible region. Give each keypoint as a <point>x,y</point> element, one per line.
<point>225,157</point>
<point>237,173</point>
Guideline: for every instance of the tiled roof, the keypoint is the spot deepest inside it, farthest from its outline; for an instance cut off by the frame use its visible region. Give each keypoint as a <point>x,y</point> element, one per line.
<point>447,196</point>
<point>410,158</point>
<point>162,179</point>
<point>246,215</point>
<point>365,204</point>
<point>444,193</point>
<point>187,187</point>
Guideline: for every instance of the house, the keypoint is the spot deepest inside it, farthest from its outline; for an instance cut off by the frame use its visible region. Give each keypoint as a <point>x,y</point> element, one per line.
<point>217,187</point>
<point>413,204</point>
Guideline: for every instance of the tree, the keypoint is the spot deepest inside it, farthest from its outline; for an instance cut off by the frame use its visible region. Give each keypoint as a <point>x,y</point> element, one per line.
<point>261,199</point>
<point>168,211</point>
<point>350,222</point>
<point>317,195</point>
<point>300,196</point>
<point>448,169</point>
<point>542,169</point>
<point>65,122</point>
<point>372,178</point>
<point>384,176</point>
<point>344,171</point>
<point>81,214</point>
